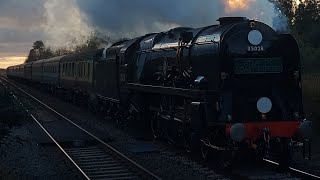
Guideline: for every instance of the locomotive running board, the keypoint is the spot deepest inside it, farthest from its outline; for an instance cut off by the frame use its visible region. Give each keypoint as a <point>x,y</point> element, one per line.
<point>192,93</point>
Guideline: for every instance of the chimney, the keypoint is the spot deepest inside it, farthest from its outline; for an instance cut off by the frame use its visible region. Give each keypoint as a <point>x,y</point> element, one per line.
<point>229,20</point>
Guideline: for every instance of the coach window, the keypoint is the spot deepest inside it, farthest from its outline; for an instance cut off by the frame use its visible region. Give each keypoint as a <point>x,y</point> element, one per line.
<point>62,70</point>
<point>72,70</point>
<point>78,72</point>
<point>67,68</point>
<point>83,69</point>
<point>88,70</point>
<point>80,69</point>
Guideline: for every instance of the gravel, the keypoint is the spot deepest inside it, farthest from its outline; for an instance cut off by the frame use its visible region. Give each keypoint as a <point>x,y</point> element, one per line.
<point>23,158</point>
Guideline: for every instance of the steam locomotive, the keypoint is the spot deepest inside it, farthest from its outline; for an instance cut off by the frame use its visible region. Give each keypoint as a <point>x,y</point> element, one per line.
<point>221,87</point>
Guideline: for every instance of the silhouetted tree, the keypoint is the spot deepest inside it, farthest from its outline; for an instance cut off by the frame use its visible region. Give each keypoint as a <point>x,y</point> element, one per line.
<point>303,19</point>
<point>61,51</point>
<point>38,45</point>
<point>32,56</point>
<point>96,40</point>
<point>38,51</point>
<point>304,22</point>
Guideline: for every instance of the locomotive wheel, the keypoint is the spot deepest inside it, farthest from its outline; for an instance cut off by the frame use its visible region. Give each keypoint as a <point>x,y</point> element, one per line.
<point>155,127</point>
<point>284,158</point>
<point>223,159</point>
<point>204,151</point>
<point>191,141</point>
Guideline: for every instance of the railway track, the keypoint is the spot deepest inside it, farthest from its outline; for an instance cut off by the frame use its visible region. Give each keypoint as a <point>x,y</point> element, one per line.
<point>101,161</point>
<point>293,171</point>
<point>94,160</point>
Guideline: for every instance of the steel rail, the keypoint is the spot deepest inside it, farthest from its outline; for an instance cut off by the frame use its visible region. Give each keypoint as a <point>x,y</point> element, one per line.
<point>50,136</point>
<point>294,170</point>
<point>90,134</point>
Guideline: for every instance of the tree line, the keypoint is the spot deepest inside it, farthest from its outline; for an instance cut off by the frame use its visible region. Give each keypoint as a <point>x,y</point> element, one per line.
<point>304,23</point>
<point>41,51</point>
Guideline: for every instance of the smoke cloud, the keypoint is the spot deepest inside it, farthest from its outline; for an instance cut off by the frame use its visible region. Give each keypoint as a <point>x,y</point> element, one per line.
<point>65,25</point>
<point>122,18</point>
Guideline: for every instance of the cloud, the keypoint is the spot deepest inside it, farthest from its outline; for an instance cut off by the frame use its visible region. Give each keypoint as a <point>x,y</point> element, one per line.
<point>62,23</point>
<point>120,18</point>
<point>12,60</point>
<point>19,25</point>
<point>24,14</point>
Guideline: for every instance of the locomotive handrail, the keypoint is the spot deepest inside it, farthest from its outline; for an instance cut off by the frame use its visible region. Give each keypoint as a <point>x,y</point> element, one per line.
<point>192,93</point>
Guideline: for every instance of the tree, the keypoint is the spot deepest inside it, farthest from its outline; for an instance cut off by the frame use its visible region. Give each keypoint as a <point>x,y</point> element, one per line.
<point>96,40</point>
<point>39,51</point>
<point>303,18</point>
<point>38,45</point>
<point>304,22</point>
<point>285,7</point>
<point>31,57</point>
<point>62,51</point>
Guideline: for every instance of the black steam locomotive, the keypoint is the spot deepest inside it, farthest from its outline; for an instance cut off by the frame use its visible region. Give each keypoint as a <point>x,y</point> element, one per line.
<point>220,87</point>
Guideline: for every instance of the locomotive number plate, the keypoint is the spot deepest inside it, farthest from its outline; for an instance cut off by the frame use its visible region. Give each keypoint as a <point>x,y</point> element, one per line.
<point>255,48</point>
<point>262,65</point>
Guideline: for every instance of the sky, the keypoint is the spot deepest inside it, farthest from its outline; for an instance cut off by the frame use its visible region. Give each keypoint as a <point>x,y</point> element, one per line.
<point>65,23</point>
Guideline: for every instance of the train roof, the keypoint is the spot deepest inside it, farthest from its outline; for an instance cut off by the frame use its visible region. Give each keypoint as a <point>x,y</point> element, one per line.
<point>53,59</point>
<point>38,61</point>
<point>89,55</point>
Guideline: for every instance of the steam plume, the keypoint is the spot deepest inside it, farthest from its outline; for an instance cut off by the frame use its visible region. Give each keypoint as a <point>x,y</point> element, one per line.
<point>65,25</point>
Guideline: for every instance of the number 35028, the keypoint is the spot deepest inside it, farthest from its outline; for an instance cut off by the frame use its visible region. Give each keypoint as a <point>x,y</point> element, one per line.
<point>255,48</point>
